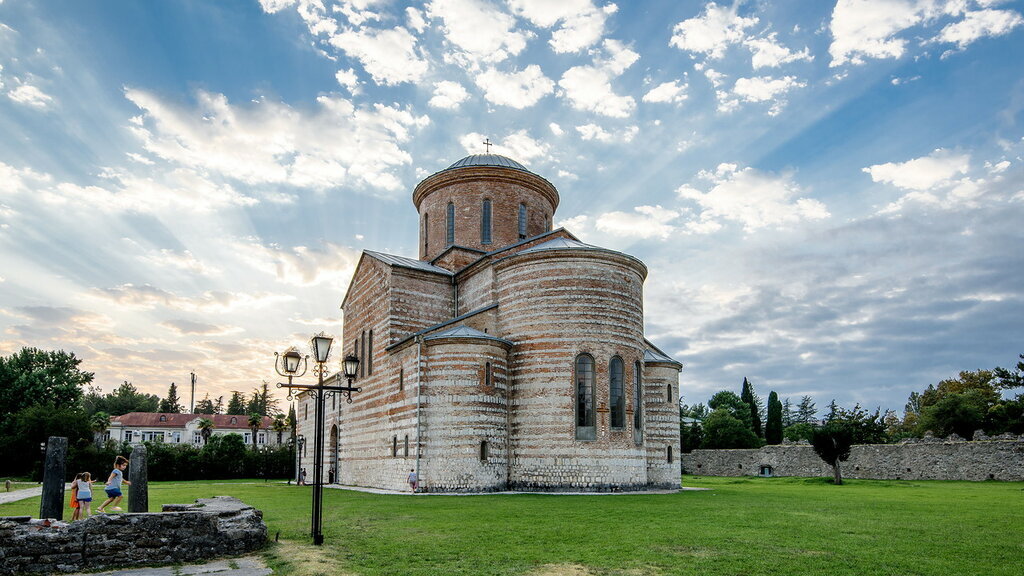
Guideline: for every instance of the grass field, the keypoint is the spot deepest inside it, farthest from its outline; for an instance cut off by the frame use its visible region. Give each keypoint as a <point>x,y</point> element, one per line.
<point>742,526</point>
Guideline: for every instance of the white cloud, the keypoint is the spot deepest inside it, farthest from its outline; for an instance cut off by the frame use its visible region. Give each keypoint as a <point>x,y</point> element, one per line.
<point>556,129</point>
<point>272,6</point>
<point>750,198</point>
<point>759,89</point>
<point>516,89</point>
<point>582,21</point>
<point>767,52</point>
<point>270,143</point>
<point>589,88</point>
<point>390,56</point>
<point>712,32</point>
<point>148,297</point>
<point>417,21</point>
<point>595,132</point>
<point>30,96</point>
<point>643,222</point>
<point>330,263</point>
<point>669,92</point>
<point>938,168</point>
<point>479,31</point>
<point>518,145</point>
<point>979,24</point>
<point>448,94</point>
<point>349,80</point>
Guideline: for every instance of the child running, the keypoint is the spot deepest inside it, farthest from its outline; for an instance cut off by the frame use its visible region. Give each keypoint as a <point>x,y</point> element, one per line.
<point>84,484</point>
<point>75,507</point>
<point>113,487</point>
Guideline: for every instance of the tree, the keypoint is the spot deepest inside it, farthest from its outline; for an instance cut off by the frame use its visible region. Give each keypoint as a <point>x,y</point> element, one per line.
<point>773,427</point>
<point>255,422</point>
<point>1010,379</point>
<point>788,415</point>
<point>218,406</point>
<point>206,427</point>
<point>806,411</point>
<point>262,402</point>
<point>126,398</point>
<point>799,431</point>
<point>205,406</point>
<point>961,414</point>
<point>723,430</point>
<point>865,427</point>
<point>33,377</point>
<point>748,396</point>
<point>171,404</point>
<point>832,443</point>
<point>236,405</point>
<point>737,408</point>
<point>280,425</point>
<point>292,420</point>
<point>99,422</point>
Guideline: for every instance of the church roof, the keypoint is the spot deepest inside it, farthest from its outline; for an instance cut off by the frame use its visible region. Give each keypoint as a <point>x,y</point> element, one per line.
<point>174,420</point>
<point>561,244</point>
<point>487,160</point>
<point>464,332</point>
<point>404,262</point>
<point>658,356</point>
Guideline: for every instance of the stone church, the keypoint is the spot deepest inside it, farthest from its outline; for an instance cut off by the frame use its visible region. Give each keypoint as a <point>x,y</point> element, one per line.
<point>508,356</point>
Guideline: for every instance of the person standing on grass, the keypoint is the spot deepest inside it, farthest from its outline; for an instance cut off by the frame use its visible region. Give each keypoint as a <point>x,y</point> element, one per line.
<point>113,487</point>
<point>302,477</point>
<point>414,481</point>
<point>75,506</point>
<point>84,484</point>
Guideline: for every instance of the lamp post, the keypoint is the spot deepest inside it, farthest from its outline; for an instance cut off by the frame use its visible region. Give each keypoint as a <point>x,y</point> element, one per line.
<point>300,442</point>
<point>289,362</point>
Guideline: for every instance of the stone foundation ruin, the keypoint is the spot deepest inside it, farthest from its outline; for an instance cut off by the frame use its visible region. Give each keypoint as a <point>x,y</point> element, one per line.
<point>210,528</point>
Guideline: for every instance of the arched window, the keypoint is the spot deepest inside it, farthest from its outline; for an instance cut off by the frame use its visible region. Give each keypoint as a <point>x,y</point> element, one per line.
<point>638,397</point>
<point>362,358</point>
<point>487,374</point>
<point>450,225</point>
<point>585,421</point>
<point>485,223</point>
<point>234,420</point>
<point>668,454</point>
<point>547,223</point>
<point>522,221</point>
<point>401,379</point>
<point>406,450</point>
<point>426,233</point>
<point>617,392</point>
<point>369,354</point>
<point>394,446</point>
<point>668,396</point>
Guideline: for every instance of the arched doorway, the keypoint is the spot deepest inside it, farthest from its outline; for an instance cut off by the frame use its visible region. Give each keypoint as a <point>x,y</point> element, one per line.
<point>332,455</point>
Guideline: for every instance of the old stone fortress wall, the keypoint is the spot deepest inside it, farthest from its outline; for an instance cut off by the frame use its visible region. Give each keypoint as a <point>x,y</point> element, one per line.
<point>510,355</point>
<point>998,458</point>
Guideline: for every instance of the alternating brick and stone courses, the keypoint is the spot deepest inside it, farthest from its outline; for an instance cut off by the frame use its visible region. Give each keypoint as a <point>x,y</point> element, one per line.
<point>509,356</point>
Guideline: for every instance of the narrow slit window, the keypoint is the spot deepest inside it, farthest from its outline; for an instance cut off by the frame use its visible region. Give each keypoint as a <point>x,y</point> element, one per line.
<point>616,393</point>
<point>487,374</point>
<point>394,446</point>
<point>369,354</point>
<point>485,223</point>
<point>405,451</point>
<point>401,379</point>
<point>426,234</point>
<point>522,221</point>
<point>484,451</point>
<point>584,374</point>
<point>638,398</point>
<point>450,225</point>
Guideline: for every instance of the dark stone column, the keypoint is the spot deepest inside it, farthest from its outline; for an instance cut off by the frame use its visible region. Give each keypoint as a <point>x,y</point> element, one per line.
<point>138,490</point>
<point>52,503</point>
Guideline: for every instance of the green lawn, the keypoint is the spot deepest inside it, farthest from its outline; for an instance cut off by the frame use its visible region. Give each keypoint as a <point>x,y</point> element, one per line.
<point>743,526</point>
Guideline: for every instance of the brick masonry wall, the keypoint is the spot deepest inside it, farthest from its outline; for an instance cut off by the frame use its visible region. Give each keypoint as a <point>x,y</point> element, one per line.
<point>467,188</point>
<point>924,460</point>
<point>555,305</point>
<point>213,527</point>
<point>661,420</point>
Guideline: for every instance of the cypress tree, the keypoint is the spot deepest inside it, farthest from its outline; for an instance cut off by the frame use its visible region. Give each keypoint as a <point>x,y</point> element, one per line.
<point>755,417</point>
<point>773,427</point>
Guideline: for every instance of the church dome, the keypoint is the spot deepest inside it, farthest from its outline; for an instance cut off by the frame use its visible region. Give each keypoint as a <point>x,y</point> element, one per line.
<point>487,160</point>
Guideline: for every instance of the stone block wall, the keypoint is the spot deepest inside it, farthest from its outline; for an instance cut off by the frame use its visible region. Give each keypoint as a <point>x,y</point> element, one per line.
<point>210,528</point>
<point>928,459</point>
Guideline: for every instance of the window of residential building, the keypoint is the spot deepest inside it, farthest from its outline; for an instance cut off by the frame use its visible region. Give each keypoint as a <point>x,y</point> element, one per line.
<point>247,438</point>
<point>585,421</point>
<point>522,221</point>
<point>234,420</point>
<point>616,393</point>
<point>261,438</point>
<point>176,437</point>
<point>197,437</point>
<point>163,418</point>
<point>450,225</point>
<point>485,223</point>
<point>128,435</point>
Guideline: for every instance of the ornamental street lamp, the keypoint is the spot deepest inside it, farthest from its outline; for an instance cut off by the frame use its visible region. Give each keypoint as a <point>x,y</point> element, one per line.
<point>289,362</point>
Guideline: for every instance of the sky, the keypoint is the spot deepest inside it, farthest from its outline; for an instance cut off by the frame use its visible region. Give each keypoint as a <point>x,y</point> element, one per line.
<point>828,195</point>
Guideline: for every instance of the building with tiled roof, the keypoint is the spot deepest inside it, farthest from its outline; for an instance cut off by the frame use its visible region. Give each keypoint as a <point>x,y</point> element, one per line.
<point>137,427</point>
<point>509,355</point>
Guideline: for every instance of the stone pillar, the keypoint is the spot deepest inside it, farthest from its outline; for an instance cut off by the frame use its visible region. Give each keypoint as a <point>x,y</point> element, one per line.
<point>51,505</point>
<point>138,490</point>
